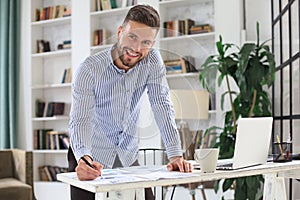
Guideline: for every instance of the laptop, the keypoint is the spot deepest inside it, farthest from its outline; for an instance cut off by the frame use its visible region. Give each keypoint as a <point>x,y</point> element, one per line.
<point>252,143</point>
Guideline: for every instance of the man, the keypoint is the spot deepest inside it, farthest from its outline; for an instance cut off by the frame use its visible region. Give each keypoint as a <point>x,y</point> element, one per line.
<point>107,91</point>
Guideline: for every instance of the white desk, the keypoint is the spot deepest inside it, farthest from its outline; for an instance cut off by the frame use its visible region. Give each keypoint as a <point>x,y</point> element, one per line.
<point>274,181</point>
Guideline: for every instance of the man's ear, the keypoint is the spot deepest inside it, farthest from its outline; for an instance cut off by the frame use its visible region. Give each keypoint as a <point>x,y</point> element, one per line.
<point>153,43</point>
<point>119,31</point>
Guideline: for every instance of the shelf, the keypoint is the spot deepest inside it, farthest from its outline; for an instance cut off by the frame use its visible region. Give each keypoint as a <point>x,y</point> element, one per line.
<point>52,22</point>
<point>54,118</point>
<point>99,48</point>
<point>62,52</point>
<point>182,75</point>
<point>52,86</point>
<point>178,3</point>
<point>186,37</point>
<point>48,151</point>
<point>108,13</point>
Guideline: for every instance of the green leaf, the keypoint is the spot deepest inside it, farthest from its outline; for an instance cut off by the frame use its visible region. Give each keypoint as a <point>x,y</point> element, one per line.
<point>216,186</point>
<point>257,32</point>
<point>227,184</point>
<point>220,46</point>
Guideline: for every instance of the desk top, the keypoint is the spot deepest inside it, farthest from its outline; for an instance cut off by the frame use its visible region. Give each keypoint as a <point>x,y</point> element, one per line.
<point>170,178</point>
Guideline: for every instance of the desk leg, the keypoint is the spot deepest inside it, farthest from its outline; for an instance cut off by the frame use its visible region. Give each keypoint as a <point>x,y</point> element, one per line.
<point>274,187</point>
<point>101,196</point>
<point>140,194</point>
<point>124,195</point>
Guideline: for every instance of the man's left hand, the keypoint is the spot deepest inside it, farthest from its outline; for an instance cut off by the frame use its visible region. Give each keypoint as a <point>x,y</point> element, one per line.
<point>179,164</point>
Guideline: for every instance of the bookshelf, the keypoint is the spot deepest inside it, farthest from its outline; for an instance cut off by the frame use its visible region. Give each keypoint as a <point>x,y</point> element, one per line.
<point>198,45</point>
<point>47,66</point>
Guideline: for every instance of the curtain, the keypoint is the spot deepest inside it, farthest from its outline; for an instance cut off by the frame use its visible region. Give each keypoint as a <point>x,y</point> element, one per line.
<point>9,71</point>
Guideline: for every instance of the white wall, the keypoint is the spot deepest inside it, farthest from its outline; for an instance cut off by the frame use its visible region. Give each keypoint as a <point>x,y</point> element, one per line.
<point>261,14</point>
<point>24,139</point>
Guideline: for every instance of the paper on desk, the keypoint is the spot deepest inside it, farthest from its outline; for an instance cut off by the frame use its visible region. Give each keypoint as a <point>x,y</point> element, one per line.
<point>165,174</point>
<point>136,174</point>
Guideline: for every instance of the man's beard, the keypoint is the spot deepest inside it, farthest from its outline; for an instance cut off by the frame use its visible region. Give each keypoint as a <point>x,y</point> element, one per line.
<point>121,53</point>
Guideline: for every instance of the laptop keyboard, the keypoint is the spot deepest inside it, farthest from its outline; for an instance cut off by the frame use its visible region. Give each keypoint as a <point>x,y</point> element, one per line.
<point>225,166</point>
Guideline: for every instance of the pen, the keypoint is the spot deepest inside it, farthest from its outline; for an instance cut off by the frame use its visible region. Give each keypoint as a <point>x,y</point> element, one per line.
<point>87,162</point>
<point>280,147</point>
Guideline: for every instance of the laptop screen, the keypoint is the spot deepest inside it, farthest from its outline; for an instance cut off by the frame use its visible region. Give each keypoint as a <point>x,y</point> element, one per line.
<point>252,141</point>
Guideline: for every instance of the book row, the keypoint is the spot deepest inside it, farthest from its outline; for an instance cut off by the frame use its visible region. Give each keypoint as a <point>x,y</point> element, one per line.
<point>101,37</point>
<point>67,76</point>
<point>52,12</point>
<point>111,4</point>
<point>48,109</point>
<point>184,64</point>
<point>44,46</point>
<point>49,139</point>
<point>48,172</point>
<point>184,27</point>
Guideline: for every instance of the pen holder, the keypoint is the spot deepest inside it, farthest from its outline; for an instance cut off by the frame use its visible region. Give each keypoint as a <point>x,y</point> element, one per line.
<point>282,152</point>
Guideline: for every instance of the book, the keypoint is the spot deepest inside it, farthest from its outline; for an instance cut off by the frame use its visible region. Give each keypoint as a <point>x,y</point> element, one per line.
<point>188,24</point>
<point>113,4</point>
<point>58,140</point>
<point>41,138</point>
<point>49,172</point>
<point>37,14</point>
<point>35,139</point>
<point>58,108</point>
<point>61,10</point>
<point>184,64</point>
<point>49,111</point>
<point>53,141</point>
<point>101,36</point>
<point>174,69</point>
<point>42,173</point>
<point>39,108</point>
<point>190,63</point>
<point>42,46</point>
<point>201,28</point>
<point>105,4</point>
<point>177,27</point>
<point>67,76</point>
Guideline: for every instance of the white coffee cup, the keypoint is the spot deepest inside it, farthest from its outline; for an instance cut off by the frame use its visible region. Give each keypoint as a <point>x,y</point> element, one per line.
<point>207,159</point>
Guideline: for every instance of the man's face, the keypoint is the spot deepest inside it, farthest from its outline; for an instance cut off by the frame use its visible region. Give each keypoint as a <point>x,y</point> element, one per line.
<point>134,42</point>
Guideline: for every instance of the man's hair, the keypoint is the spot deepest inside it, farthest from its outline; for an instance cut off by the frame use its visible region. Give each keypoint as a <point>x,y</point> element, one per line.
<point>144,14</point>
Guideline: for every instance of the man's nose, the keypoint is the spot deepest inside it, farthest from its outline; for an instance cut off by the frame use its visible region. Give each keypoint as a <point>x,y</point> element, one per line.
<point>137,45</point>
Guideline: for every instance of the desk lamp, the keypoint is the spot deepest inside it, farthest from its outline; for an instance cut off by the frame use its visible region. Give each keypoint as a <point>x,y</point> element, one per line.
<point>189,105</point>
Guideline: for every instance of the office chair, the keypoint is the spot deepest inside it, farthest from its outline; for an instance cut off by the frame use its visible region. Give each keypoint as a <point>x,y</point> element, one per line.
<point>154,156</point>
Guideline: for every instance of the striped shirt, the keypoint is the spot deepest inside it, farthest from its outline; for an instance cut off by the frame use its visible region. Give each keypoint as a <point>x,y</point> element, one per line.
<point>106,105</point>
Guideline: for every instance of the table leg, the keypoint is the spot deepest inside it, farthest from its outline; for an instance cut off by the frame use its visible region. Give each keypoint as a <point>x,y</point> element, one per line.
<point>138,194</point>
<point>274,187</point>
<point>101,196</point>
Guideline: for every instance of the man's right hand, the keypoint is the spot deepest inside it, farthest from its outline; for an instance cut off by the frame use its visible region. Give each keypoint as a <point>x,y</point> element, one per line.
<point>85,172</point>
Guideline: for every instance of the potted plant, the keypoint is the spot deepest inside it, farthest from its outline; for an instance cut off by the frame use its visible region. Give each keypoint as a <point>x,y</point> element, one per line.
<point>252,69</point>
